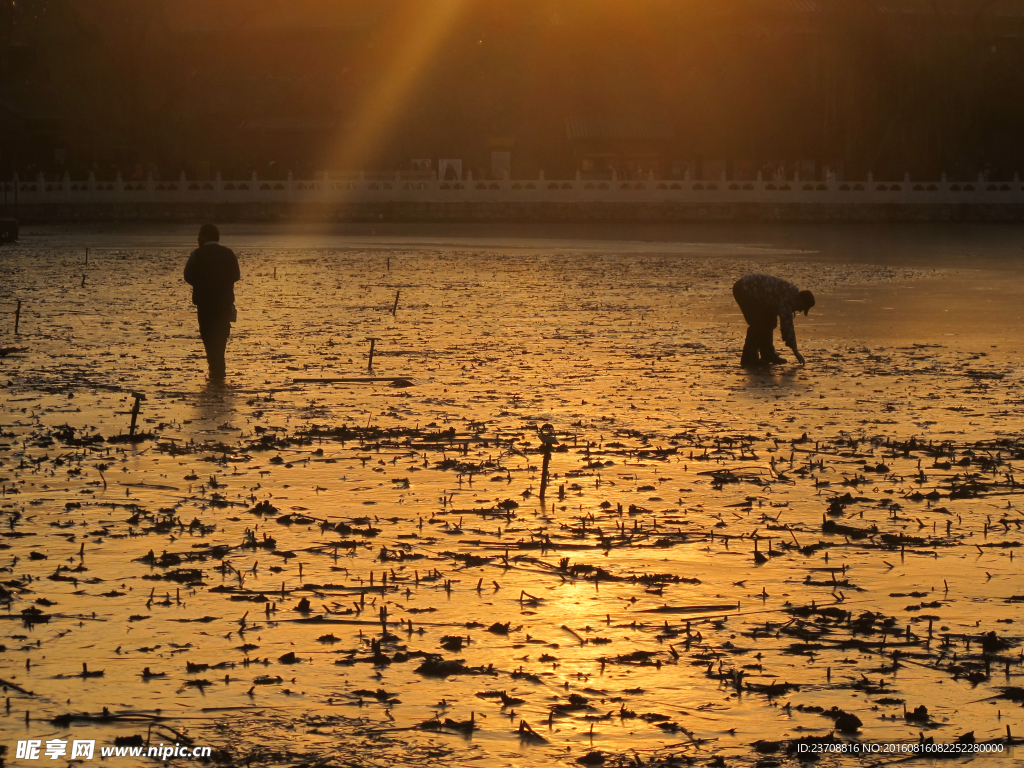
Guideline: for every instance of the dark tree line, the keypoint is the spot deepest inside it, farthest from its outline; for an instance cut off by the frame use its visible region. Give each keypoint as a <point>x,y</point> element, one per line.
<point>902,85</point>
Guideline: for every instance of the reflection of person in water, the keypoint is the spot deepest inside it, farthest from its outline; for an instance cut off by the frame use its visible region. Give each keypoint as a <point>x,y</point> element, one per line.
<point>766,300</point>
<point>212,271</point>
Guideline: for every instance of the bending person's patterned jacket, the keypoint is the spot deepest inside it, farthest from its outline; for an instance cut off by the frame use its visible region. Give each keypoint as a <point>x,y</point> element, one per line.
<point>778,295</point>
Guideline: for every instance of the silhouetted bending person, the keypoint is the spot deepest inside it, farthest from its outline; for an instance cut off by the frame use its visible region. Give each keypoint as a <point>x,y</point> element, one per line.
<point>212,271</point>
<point>766,300</point>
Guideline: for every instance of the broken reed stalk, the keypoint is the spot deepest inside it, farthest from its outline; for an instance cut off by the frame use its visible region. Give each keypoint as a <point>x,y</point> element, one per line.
<point>394,308</point>
<point>135,412</point>
<point>17,316</point>
<point>545,466</point>
<point>369,364</point>
<point>548,441</point>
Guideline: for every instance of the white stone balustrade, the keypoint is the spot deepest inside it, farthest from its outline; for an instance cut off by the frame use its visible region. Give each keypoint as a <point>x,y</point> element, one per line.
<point>346,188</point>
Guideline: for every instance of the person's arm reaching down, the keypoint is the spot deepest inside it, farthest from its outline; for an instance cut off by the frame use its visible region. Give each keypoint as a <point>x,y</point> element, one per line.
<point>789,334</point>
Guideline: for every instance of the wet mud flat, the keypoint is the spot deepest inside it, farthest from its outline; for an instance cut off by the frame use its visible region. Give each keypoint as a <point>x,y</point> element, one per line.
<point>724,568</point>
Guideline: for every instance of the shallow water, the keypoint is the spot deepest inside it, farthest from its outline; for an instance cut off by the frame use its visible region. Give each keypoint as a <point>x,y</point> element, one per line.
<point>617,615</point>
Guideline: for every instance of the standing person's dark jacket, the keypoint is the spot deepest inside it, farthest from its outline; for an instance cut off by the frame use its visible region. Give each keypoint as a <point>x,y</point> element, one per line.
<point>212,271</point>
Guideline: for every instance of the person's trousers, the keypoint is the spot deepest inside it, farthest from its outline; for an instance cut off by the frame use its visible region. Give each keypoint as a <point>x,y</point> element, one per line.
<point>758,347</point>
<point>214,328</point>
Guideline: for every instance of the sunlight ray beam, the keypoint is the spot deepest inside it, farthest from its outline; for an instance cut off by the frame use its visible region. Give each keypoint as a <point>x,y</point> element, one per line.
<point>424,32</point>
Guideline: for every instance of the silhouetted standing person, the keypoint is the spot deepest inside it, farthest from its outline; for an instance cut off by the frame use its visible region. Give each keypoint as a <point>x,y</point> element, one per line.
<point>212,271</point>
<point>766,300</point>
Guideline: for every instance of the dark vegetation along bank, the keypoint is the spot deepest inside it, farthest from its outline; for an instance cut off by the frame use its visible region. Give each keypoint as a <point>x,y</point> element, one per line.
<point>853,86</point>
